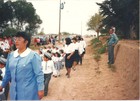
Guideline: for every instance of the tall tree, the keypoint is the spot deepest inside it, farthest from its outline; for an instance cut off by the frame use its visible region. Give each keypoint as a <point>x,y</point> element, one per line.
<point>95,23</point>
<point>33,24</point>
<point>23,11</point>
<point>18,15</point>
<point>5,14</point>
<point>123,14</point>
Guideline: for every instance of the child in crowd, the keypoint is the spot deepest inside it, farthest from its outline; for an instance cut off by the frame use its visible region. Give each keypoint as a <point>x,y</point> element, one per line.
<point>57,49</point>
<point>44,49</point>
<point>48,69</point>
<point>4,93</point>
<point>54,59</point>
<point>53,49</point>
<point>58,64</point>
<point>62,57</point>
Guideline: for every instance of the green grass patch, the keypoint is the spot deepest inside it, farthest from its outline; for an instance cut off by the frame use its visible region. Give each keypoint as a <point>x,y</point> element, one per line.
<point>95,41</point>
<point>98,48</point>
<point>102,49</point>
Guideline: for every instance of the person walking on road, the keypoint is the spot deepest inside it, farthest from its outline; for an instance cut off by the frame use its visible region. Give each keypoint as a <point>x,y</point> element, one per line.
<point>48,69</point>
<point>4,93</point>
<point>69,51</point>
<point>76,53</point>
<point>23,69</point>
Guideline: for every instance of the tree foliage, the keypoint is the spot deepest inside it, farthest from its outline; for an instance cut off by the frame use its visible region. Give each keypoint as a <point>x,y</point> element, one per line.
<point>123,14</point>
<point>5,14</point>
<point>19,15</point>
<point>9,32</point>
<point>95,23</point>
<point>33,24</point>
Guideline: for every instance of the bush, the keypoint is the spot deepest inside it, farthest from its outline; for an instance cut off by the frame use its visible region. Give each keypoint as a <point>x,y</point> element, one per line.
<point>102,49</point>
<point>96,42</point>
<point>98,47</point>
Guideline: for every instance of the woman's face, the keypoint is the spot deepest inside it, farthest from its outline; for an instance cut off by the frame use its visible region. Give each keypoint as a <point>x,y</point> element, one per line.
<point>20,43</point>
<point>74,41</point>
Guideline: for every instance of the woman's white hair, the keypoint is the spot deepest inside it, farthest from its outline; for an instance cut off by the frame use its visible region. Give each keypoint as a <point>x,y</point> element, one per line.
<point>114,29</point>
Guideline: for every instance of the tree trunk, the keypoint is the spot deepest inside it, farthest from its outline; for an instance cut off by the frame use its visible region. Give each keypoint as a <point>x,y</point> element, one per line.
<point>97,33</point>
<point>132,33</point>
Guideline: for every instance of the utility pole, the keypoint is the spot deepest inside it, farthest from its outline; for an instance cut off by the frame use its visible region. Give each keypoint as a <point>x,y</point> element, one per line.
<point>59,33</point>
<point>60,7</point>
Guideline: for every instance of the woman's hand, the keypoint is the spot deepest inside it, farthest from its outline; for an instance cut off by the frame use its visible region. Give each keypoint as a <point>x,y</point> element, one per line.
<point>68,57</point>
<point>41,94</point>
<point>1,88</point>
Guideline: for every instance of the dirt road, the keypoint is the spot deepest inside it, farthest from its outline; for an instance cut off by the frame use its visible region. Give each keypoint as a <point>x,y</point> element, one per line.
<point>90,81</point>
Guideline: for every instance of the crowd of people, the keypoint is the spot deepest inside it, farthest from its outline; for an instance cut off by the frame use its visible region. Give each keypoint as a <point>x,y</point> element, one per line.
<point>38,41</point>
<point>6,44</point>
<point>55,58</point>
<point>28,72</point>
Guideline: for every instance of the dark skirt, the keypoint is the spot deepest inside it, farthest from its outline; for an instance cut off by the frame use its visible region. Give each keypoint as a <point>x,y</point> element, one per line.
<point>68,62</point>
<point>76,56</point>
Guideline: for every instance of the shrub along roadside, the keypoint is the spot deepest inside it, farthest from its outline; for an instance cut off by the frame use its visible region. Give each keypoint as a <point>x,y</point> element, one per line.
<point>98,47</point>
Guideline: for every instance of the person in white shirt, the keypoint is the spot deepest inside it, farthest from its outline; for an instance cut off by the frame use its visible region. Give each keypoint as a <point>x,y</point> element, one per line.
<point>76,53</point>
<point>2,48</point>
<point>57,64</point>
<point>54,59</point>
<point>69,51</point>
<point>44,49</point>
<point>4,93</point>
<point>53,49</point>
<point>48,48</point>
<point>83,46</point>
<point>62,57</point>
<point>48,68</point>
<point>4,45</point>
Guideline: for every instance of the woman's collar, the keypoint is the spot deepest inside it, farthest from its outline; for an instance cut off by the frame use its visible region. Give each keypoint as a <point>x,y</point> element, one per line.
<point>25,53</point>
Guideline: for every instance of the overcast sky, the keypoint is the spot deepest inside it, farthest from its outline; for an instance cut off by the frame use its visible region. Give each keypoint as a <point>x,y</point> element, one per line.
<point>74,16</point>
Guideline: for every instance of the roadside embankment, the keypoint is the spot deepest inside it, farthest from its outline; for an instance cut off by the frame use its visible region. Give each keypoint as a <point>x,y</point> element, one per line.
<point>127,63</point>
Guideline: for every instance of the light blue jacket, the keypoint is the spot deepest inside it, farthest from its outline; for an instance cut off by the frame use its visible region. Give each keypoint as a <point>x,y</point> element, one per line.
<point>113,39</point>
<point>25,73</point>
